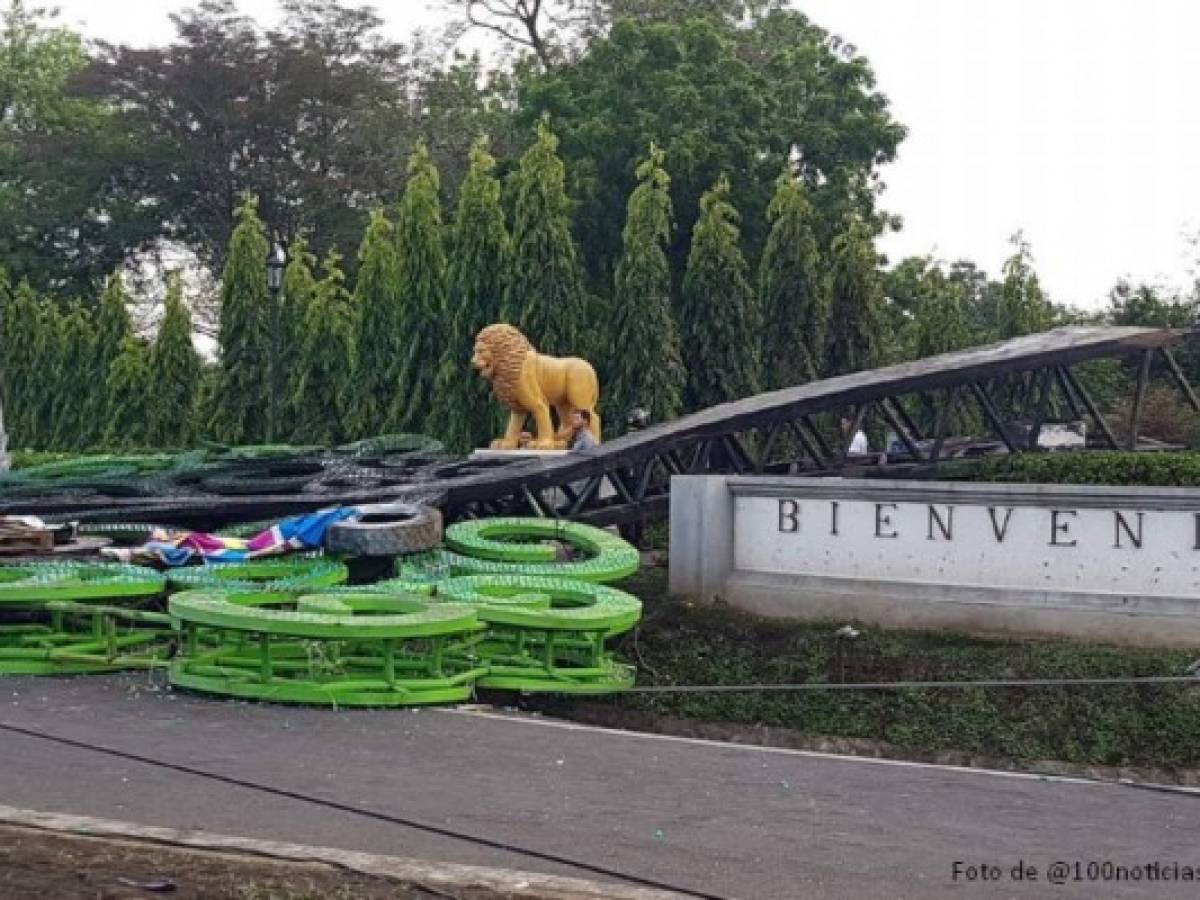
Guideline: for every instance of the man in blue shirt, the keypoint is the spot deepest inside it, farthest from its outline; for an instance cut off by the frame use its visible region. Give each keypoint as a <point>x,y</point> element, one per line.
<point>581,431</point>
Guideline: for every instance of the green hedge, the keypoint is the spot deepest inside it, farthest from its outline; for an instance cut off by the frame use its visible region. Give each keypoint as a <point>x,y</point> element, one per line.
<point>1180,469</point>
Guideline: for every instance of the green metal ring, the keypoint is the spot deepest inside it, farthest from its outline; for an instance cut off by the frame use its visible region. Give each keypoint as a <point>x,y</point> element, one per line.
<point>42,582</point>
<point>324,616</point>
<point>293,575</point>
<point>615,562</point>
<point>557,604</point>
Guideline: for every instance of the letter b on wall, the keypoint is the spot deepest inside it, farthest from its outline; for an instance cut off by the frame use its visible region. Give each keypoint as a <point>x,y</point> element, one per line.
<point>789,516</point>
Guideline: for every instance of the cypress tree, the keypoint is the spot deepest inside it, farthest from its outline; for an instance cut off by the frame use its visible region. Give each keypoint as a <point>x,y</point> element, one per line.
<point>73,389</point>
<point>853,342</point>
<point>112,327</point>
<point>793,295</point>
<point>720,322</point>
<point>422,253</point>
<point>128,387</point>
<point>478,270</point>
<point>297,295</point>
<point>5,366</point>
<point>545,296</point>
<point>208,400</point>
<point>647,369</point>
<point>26,365</point>
<point>174,372</point>
<point>323,393</point>
<point>377,298</point>
<point>50,361</point>
<point>243,332</point>
<point>7,381</point>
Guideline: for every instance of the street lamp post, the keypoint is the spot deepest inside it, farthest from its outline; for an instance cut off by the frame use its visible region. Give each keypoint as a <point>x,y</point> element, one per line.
<point>276,263</point>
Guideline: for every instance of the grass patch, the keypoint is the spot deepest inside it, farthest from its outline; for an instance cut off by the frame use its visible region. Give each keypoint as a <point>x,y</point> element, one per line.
<point>678,643</point>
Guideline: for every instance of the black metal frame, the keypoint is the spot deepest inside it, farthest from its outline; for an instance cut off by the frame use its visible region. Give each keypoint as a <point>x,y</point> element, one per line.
<point>627,481</point>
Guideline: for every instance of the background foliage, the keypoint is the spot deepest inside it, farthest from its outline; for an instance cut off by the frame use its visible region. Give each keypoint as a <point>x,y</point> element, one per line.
<point>119,165</point>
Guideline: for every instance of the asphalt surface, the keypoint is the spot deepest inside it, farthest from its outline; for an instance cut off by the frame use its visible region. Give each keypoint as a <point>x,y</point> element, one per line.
<point>722,820</point>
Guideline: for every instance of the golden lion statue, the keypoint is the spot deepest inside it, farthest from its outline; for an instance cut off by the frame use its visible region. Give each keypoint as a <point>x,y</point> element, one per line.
<point>530,384</point>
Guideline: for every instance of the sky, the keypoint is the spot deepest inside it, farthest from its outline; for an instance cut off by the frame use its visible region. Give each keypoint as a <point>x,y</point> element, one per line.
<point>1072,120</point>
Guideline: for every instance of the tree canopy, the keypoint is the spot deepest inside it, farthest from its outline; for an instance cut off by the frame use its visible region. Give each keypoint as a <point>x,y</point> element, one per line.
<point>546,295</point>
<point>646,369</point>
<point>792,290</point>
<point>479,269</point>
<point>720,322</point>
<point>719,99</point>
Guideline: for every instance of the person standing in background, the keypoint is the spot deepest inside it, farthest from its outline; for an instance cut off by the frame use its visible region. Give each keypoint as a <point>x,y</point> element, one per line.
<point>859,443</point>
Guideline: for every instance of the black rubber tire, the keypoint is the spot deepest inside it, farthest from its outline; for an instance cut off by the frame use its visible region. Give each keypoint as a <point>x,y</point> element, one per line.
<point>353,479</point>
<point>387,529</point>
<point>282,477</point>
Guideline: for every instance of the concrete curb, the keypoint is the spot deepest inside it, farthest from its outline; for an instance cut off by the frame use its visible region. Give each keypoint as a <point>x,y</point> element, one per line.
<point>420,873</point>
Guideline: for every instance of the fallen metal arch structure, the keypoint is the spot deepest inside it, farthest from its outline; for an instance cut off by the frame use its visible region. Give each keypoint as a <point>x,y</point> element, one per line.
<point>627,480</point>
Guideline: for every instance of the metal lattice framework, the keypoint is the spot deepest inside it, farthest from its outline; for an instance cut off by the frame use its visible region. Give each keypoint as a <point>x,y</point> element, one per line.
<point>1012,389</point>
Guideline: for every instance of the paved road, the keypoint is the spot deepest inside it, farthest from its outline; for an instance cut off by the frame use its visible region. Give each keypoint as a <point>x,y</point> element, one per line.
<point>720,819</point>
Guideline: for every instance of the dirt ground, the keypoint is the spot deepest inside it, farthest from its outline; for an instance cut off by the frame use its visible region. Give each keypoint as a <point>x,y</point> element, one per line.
<point>40,864</point>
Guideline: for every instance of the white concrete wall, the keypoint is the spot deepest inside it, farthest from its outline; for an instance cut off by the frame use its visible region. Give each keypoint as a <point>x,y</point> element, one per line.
<point>1120,564</point>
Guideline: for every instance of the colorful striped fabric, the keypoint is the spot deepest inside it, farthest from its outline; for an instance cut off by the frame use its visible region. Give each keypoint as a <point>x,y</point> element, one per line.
<point>179,548</point>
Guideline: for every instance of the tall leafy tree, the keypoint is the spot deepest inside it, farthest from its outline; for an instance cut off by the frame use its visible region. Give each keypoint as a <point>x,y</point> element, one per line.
<point>720,322</point>
<point>296,295</point>
<point>112,328</point>
<point>941,316</point>
<point>322,396</point>
<point>478,270</point>
<point>719,95</point>
<point>25,364</point>
<point>129,388</point>
<point>378,299</point>
<point>243,337</point>
<point>546,296</point>
<point>1023,307</point>
<point>856,290</point>
<point>62,157</point>
<point>174,372</point>
<point>422,252</point>
<point>301,116</point>
<point>553,31</point>
<point>313,115</point>
<point>73,395</point>
<point>5,373</point>
<point>792,290</point>
<point>647,366</point>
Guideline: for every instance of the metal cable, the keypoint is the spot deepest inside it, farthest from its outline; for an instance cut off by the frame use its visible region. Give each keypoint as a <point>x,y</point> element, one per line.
<point>359,811</point>
<point>911,685</point>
